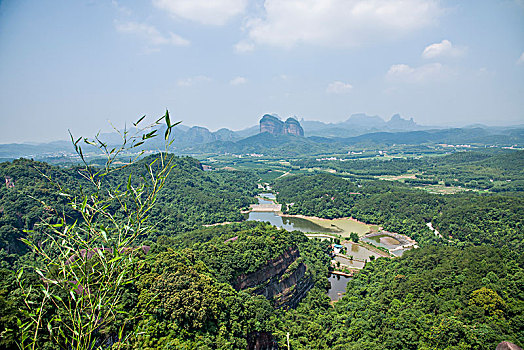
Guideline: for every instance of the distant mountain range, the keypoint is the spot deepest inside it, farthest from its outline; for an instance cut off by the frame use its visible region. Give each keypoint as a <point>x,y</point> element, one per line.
<point>273,135</point>
<point>358,124</point>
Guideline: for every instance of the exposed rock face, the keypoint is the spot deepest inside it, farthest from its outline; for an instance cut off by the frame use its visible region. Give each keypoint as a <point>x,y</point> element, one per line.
<point>277,281</point>
<point>506,345</point>
<point>292,127</point>
<point>275,126</point>
<point>271,124</point>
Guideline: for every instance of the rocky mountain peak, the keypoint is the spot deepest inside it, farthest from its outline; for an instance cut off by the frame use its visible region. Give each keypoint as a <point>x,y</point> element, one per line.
<point>275,126</point>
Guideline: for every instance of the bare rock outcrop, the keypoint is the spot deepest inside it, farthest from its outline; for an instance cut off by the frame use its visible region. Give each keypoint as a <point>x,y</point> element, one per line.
<point>275,126</point>
<point>283,280</point>
<point>506,345</point>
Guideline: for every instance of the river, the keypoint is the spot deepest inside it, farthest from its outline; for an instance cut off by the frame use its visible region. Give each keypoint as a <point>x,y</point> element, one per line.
<point>288,223</point>
<point>338,283</point>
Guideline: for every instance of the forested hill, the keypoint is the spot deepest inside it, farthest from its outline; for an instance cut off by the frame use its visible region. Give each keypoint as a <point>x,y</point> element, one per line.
<point>190,198</point>
<point>431,298</point>
<point>493,170</point>
<point>467,218</point>
<point>464,290</point>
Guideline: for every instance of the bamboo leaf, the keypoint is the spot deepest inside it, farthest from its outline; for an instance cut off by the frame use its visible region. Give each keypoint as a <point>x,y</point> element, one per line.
<point>166,116</point>
<point>115,259</point>
<point>139,120</point>
<point>104,234</point>
<point>149,135</point>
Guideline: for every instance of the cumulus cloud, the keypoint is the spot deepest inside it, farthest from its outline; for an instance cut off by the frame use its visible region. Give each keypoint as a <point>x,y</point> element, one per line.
<point>244,46</point>
<point>238,81</point>
<point>443,49</point>
<point>151,34</point>
<point>339,23</point>
<point>425,73</point>
<point>521,59</point>
<point>209,12</point>
<point>191,81</point>
<point>339,87</point>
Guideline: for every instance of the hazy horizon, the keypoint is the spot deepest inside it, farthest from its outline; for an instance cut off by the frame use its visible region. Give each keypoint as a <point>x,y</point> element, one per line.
<point>76,65</point>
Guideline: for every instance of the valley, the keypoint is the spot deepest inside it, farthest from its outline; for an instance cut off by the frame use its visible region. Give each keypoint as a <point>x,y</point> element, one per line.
<point>262,175</point>
<point>329,250</point>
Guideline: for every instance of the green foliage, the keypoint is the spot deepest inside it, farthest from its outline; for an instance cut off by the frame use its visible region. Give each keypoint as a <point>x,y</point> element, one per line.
<point>85,265</point>
<point>83,270</point>
<point>189,198</point>
<point>431,298</point>
<point>465,218</point>
<point>497,171</point>
<point>488,300</point>
<point>187,291</point>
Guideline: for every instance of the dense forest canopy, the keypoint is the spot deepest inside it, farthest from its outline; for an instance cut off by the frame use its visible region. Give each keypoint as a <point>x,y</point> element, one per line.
<point>190,198</point>
<point>464,289</point>
<point>462,219</point>
<point>431,298</point>
<point>491,169</point>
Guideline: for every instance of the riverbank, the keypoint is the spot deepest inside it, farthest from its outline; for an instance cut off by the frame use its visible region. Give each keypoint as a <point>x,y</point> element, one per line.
<point>374,249</point>
<point>341,226</point>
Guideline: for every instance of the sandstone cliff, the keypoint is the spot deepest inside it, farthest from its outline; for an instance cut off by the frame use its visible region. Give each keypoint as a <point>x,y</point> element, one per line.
<point>284,280</point>
<point>275,126</point>
<point>293,127</point>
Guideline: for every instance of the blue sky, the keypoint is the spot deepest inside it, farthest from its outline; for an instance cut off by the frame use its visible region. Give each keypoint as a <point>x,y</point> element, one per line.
<point>224,63</point>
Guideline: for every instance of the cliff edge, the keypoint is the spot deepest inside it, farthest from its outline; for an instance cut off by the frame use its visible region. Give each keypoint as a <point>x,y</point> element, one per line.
<point>275,126</point>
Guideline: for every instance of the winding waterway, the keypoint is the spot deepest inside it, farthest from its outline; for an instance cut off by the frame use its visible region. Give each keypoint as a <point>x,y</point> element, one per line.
<point>288,223</point>
<point>360,254</point>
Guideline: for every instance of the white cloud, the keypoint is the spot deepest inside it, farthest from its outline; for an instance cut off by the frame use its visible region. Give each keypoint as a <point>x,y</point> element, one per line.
<point>210,12</point>
<point>244,46</point>
<point>191,81</point>
<point>521,59</point>
<point>339,87</point>
<point>238,81</point>
<point>339,23</point>
<point>425,73</point>
<point>151,34</point>
<point>443,49</point>
<point>121,9</point>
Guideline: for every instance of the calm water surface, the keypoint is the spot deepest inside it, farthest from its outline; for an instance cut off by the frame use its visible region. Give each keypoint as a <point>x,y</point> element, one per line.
<point>383,241</point>
<point>268,196</point>
<point>338,286</point>
<point>289,224</point>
